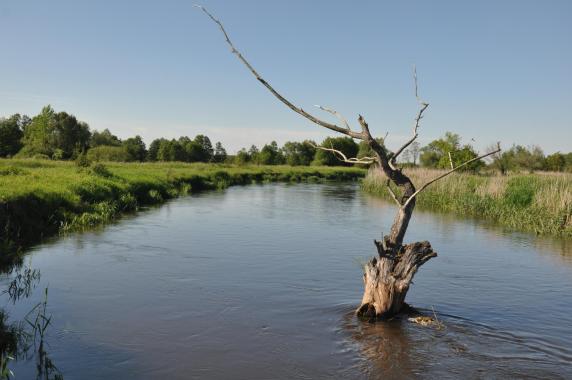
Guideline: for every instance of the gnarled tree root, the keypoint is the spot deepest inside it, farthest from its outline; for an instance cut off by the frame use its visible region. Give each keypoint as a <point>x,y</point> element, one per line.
<point>387,278</point>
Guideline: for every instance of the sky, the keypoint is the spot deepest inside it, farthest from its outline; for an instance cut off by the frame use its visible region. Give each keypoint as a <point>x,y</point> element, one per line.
<point>491,70</point>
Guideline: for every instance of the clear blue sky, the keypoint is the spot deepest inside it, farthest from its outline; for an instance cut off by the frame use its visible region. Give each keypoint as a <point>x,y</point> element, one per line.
<point>492,70</point>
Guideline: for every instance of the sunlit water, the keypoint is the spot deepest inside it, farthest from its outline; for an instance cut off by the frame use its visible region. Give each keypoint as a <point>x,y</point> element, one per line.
<point>262,281</point>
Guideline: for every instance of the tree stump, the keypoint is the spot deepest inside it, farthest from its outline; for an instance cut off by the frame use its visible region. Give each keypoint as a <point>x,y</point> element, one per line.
<point>387,279</point>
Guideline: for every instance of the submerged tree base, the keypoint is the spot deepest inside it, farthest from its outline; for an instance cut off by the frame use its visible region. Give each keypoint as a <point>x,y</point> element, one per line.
<point>387,279</point>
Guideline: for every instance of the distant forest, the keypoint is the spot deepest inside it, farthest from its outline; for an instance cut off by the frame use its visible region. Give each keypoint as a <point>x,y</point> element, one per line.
<point>60,136</point>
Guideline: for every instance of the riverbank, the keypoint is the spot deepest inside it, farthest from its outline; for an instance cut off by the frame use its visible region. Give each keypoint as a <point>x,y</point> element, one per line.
<point>539,203</point>
<point>40,198</point>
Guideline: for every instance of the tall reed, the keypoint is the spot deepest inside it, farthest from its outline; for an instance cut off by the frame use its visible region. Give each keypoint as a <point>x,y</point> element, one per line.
<point>541,203</point>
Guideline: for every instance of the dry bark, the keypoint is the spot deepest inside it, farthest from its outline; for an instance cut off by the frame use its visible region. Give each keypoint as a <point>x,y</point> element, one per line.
<point>387,279</point>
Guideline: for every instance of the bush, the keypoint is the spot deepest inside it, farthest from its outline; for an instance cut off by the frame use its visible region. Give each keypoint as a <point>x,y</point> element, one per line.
<point>108,153</point>
<point>520,191</point>
<point>82,161</point>
<point>101,170</point>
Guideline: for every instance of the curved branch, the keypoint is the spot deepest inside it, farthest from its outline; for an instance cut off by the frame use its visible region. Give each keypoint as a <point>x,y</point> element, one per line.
<point>312,118</point>
<point>342,157</point>
<point>449,172</point>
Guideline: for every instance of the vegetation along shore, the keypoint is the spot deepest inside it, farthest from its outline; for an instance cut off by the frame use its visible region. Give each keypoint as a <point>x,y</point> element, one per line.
<point>539,202</point>
<point>40,198</point>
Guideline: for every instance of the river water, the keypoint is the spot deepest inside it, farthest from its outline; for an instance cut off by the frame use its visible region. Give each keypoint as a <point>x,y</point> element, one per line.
<point>260,282</point>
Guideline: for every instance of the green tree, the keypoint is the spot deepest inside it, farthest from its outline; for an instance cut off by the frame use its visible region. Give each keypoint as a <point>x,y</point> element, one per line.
<point>135,148</point>
<point>253,154</point>
<point>39,135</point>
<point>10,135</point>
<point>439,153</point>
<point>71,137</point>
<point>568,159</point>
<point>104,138</point>
<point>345,145</point>
<point>525,158</point>
<point>270,155</point>
<point>154,149</point>
<point>242,157</point>
<point>51,133</point>
<point>499,160</point>
<point>171,151</point>
<point>219,153</point>
<point>207,151</point>
<point>555,162</point>
<point>296,153</point>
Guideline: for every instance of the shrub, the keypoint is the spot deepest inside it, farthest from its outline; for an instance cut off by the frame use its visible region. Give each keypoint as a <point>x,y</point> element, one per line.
<point>108,153</point>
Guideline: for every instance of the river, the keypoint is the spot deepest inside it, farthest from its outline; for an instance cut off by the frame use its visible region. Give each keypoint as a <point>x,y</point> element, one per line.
<point>261,282</point>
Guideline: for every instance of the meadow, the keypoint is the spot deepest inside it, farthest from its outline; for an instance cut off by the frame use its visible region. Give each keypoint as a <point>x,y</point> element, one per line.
<point>540,202</point>
<point>40,198</point>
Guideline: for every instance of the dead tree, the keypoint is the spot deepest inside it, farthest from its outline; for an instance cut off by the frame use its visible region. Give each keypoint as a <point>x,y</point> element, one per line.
<point>388,276</point>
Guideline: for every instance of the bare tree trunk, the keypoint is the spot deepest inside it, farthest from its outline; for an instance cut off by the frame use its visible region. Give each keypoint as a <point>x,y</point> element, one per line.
<point>387,277</point>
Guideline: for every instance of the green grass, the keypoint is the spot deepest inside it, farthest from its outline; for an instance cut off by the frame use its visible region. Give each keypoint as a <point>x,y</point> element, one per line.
<point>540,203</point>
<point>40,198</point>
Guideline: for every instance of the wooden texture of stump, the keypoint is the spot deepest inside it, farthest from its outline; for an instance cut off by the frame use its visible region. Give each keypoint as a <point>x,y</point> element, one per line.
<point>387,279</point>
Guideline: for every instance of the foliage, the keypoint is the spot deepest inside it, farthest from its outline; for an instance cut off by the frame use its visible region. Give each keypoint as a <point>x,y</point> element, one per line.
<point>270,155</point>
<point>344,144</point>
<point>299,153</point>
<point>541,203</point>
<point>52,133</point>
<point>104,137</point>
<point>242,157</point>
<point>39,134</point>
<point>220,154</point>
<point>10,135</point>
<point>524,158</point>
<point>135,149</point>
<point>108,153</point>
<point>439,154</point>
<point>555,162</point>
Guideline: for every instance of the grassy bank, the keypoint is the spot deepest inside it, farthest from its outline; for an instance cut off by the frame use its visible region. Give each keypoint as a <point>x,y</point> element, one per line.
<point>41,198</point>
<point>541,203</point>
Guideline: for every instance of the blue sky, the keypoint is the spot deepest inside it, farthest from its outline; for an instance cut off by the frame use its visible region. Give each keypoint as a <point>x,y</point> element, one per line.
<point>491,70</point>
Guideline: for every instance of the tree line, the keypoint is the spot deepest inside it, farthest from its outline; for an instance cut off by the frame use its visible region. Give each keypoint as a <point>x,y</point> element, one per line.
<point>60,136</point>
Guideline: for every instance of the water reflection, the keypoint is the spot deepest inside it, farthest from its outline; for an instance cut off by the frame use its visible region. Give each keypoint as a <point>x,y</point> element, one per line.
<point>386,347</point>
<point>556,248</point>
<point>401,349</point>
<point>262,281</point>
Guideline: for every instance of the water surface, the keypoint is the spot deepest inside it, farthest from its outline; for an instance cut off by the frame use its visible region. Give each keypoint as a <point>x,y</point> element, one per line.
<point>262,282</point>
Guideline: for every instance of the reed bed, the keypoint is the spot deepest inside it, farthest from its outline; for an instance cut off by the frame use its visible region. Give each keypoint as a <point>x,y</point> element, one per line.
<point>541,203</point>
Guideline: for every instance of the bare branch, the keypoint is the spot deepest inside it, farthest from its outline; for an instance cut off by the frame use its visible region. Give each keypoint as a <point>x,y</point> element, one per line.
<point>451,160</point>
<point>416,87</point>
<point>312,118</point>
<point>422,107</point>
<point>342,157</point>
<point>336,114</point>
<point>449,172</point>
<point>392,193</point>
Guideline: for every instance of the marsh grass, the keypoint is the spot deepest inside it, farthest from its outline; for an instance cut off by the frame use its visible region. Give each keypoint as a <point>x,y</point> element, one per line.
<point>39,198</point>
<point>541,203</point>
